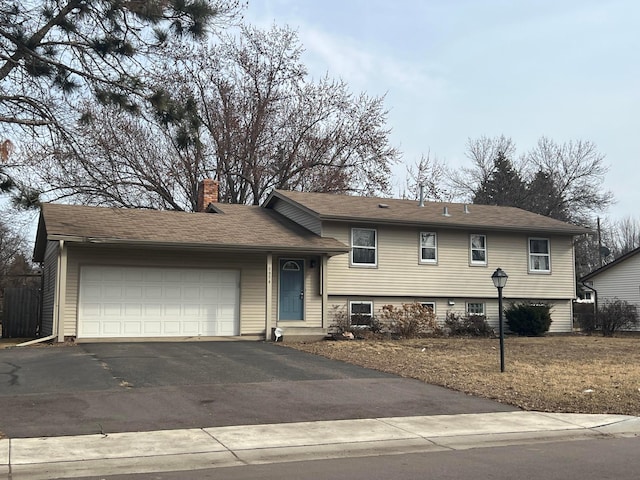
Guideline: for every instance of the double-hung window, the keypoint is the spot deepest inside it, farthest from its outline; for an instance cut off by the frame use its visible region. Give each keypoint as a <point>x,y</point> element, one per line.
<point>539,255</point>
<point>475,308</point>
<point>360,313</point>
<point>478,246</point>
<point>364,245</point>
<point>428,247</point>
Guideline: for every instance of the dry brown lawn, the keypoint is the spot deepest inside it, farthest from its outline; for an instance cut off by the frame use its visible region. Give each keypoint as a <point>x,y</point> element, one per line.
<point>578,374</point>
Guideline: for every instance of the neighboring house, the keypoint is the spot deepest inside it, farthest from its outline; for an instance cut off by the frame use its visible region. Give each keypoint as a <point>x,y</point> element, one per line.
<point>241,271</point>
<point>619,279</point>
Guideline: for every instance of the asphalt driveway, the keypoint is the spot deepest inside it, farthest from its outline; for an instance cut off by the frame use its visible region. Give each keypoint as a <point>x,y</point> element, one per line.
<point>116,387</point>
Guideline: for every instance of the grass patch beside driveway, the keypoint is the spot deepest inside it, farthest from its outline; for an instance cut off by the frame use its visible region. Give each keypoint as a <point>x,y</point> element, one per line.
<point>576,374</point>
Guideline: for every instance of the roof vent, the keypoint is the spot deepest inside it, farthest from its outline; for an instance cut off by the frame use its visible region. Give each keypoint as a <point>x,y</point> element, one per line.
<point>445,212</point>
<point>421,204</point>
<point>466,208</point>
<point>383,205</point>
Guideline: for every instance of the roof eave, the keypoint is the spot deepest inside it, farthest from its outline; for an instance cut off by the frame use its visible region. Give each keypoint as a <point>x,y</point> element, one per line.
<point>415,223</point>
<point>277,195</point>
<point>618,260</point>
<point>331,251</point>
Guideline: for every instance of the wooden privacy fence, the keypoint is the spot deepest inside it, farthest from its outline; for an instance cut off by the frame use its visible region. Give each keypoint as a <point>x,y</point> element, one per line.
<point>21,312</point>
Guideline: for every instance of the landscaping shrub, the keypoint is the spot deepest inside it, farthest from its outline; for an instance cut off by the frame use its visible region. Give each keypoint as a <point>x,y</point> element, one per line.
<point>585,318</point>
<point>342,324</point>
<point>615,315</point>
<point>412,320</point>
<point>468,326</point>
<point>528,318</point>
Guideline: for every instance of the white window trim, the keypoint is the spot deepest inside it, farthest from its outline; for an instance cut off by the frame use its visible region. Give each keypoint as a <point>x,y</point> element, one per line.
<point>374,248</point>
<point>360,302</point>
<point>484,308</point>
<point>430,304</point>
<point>530,255</point>
<point>430,261</point>
<point>471,249</point>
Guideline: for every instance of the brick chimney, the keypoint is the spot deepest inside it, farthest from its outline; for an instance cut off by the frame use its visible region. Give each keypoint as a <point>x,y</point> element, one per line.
<point>207,193</point>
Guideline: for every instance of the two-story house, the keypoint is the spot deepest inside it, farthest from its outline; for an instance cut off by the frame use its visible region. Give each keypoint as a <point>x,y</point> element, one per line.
<point>237,270</point>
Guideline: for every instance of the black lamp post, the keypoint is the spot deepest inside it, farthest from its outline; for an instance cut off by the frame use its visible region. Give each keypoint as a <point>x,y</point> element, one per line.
<point>500,280</point>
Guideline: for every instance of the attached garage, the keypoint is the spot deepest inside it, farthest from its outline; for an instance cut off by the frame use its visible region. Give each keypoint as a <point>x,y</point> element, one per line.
<point>121,301</point>
<point>116,274</point>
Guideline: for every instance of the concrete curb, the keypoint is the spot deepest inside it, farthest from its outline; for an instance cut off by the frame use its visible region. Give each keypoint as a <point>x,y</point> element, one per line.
<point>192,449</point>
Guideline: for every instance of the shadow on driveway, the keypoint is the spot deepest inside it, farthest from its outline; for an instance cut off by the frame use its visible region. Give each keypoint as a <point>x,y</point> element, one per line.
<point>116,387</point>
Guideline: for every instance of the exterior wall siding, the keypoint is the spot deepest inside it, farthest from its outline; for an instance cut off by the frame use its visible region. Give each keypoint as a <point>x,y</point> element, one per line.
<point>399,275</point>
<point>252,277</point>
<point>621,281</point>
<point>399,272</point>
<point>50,272</point>
<point>299,216</point>
<point>560,312</point>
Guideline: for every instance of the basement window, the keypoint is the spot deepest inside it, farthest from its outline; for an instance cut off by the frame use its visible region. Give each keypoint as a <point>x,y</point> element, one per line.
<point>361,313</point>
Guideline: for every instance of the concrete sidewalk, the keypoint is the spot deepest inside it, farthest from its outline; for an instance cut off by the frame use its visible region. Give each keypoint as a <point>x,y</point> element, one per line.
<point>192,449</point>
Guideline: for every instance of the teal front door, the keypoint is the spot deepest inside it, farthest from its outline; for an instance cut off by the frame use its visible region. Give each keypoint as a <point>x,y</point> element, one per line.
<point>291,290</point>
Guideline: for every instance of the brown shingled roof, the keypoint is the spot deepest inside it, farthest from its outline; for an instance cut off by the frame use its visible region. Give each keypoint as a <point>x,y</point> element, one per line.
<point>239,227</point>
<point>407,212</point>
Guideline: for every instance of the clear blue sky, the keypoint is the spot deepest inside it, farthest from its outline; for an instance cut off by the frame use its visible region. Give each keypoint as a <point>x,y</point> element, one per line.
<point>459,69</point>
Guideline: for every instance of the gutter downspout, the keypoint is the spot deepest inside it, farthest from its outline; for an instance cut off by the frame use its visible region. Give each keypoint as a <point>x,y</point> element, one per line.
<point>58,307</point>
<point>37,340</point>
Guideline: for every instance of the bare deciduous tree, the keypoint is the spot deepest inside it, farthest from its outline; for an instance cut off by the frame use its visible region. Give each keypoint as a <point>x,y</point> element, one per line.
<point>430,174</point>
<point>242,111</point>
<point>482,152</point>
<point>563,181</point>
<point>577,170</point>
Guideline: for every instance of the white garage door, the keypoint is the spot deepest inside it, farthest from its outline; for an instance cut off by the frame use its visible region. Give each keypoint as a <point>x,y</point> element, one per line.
<point>157,302</point>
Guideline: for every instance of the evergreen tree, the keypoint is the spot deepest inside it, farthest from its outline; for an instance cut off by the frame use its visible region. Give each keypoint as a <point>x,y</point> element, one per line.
<point>504,186</point>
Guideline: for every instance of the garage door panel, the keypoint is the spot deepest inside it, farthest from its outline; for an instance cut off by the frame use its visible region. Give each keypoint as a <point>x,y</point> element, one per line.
<point>152,329</point>
<point>133,292</point>
<point>113,275</point>
<point>91,328</point>
<point>156,302</point>
<point>132,328</point>
<point>190,310</point>
<point>133,310</point>
<point>153,292</point>
<point>171,328</point>
<point>153,311</point>
<point>112,309</point>
<point>112,291</point>
<point>174,293</point>
<point>152,275</point>
<point>112,328</point>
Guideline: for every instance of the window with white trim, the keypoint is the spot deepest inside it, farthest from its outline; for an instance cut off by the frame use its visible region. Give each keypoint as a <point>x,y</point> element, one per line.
<point>475,308</point>
<point>539,255</point>
<point>361,313</point>
<point>428,247</point>
<point>431,306</point>
<point>478,249</point>
<point>364,245</point>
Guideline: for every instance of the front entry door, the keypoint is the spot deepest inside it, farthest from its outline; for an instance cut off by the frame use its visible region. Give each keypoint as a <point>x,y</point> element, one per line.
<point>291,290</point>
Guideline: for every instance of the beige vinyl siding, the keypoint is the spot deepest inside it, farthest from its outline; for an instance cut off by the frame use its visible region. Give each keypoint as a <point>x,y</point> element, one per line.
<point>561,313</point>
<point>312,297</point>
<point>621,281</point>
<point>400,273</point>
<point>50,272</point>
<point>252,277</point>
<point>299,216</point>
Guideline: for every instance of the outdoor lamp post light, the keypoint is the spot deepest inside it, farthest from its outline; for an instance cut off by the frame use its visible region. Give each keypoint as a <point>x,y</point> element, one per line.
<point>500,280</point>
